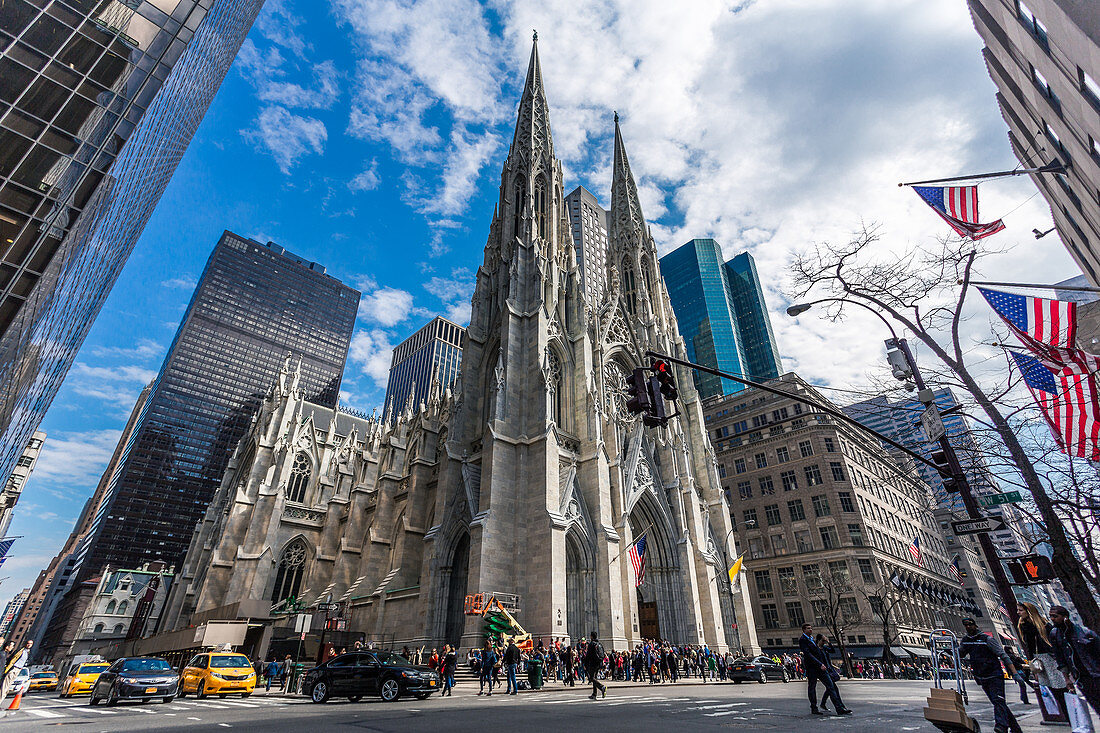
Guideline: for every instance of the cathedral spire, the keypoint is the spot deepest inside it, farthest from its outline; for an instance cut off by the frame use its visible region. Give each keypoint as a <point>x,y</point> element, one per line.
<point>627,220</point>
<point>533,119</point>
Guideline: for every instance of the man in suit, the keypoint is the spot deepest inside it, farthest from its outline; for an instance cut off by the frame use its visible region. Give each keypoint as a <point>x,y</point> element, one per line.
<point>817,666</point>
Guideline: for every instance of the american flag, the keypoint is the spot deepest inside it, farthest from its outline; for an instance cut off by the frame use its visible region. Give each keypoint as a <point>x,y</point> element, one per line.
<point>958,206</point>
<point>637,559</point>
<point>1049,322</point>
<point>956,570</point>
<point>1003,609</point>
<point>914,550</point>
<point>1067,396</point>
<point>5,545</point>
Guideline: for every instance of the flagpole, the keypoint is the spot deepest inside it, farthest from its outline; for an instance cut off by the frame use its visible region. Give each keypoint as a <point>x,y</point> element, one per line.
<point>1035,286</point>
<point>633,542</point>
<point>1055,167</point>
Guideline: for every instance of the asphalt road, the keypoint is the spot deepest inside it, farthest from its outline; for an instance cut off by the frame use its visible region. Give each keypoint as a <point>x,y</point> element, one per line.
<point>880,707</point>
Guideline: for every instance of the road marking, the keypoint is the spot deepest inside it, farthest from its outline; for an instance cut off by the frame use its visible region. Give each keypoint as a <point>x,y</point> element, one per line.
<point>194,718</point>
<point>45,713</point>
<point>726,712</point>
<point>717,707</point>
<point>102,712</point>
<point>238,704</point>
<point>225,725</point>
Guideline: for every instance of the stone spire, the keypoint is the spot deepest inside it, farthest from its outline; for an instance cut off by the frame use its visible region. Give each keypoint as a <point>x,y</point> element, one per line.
<point>532,134</point>
<point>627,225</point>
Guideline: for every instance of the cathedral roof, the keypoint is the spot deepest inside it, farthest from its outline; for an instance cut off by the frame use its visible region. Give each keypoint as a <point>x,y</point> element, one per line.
<point>323,417</point>
<point>627,219</point>
<point>533,118</point>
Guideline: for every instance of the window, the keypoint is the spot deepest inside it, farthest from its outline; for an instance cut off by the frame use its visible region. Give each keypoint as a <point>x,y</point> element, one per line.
<point>98,629</point>
<point>779,544</point>
<point>866,570</point>
<point>813,475</point>
<point>764,584</point>
<point>846,504</point>
<point>839,570</point>
<point>806,448</point>
<point>780,414</point>
<point>855,533</point>
<point>122,607</point>
<point>721,469</point>
<point>787,583</point>
<point>1033,25</point>
<point>798,408</point>
<point>812,575</point>
<point>771,512</point>
<point>117,630</point>
<point>288,576</point>
<point>1045,88</point>
<point>744,489</point>
<point>782,455</point>
<point>739,465</point>
<point>790,482</point>
<point>299,479</point>
<point>830,446</point>
<point>849,609</point>
<point>759,421</point>
<point>749,517</point>
<point>761,460</point>
<point>771,615</point>
<point>838,470</point>
<point>767,487</point>
<point>829,537</point>
<point>110,608</point>
<point>756,548</point>
<point>796,510</point>
<point>821,506</point>
<point>1089,87</point>
<point>803,541</point>
<point>795,616</point>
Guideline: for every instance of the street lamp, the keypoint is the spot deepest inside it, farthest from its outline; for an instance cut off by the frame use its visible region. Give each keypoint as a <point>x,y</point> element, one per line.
<point>725,561</point>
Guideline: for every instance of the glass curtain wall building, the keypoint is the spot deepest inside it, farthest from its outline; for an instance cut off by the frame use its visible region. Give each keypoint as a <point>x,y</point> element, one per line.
<point>424,364</point>
<point>722,315</point>
<point>98,102</point>
<point>255,307</point>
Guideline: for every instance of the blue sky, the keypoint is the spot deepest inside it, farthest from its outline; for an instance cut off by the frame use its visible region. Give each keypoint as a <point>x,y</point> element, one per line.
<point>368,135</point>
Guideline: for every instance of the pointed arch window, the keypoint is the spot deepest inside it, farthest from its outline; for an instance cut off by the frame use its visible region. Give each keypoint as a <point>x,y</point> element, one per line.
<point>122,607</point>
<point>98,629</point>
<point>541,216</point>
<point>647,277</point>
<point>288,576</point>
<point>299,478</point>
<point>554,386</point>
<point>118,630</point>
<point>519,200</point>
<point>110,607</point>
<point>630,294</point>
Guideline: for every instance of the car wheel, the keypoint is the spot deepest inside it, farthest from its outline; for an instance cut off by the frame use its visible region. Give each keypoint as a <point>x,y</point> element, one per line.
<point>200,691</point>
<point>245,694</point>
<point>763,677</point>
<point>737,682</point>
<point>786,676</point>
<point>93,700</point>
<point>355,698</point>
<point>167,700</point>
<point>319,692</point>
<point>181,693</point>
<point>391,690</point>
<point>112,699</point>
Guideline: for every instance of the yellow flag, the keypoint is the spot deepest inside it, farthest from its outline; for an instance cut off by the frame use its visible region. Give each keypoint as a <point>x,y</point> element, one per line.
<point>736,568</point>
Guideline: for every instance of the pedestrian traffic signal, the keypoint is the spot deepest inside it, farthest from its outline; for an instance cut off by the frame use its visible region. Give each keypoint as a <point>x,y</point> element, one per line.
<point>637,390</point>
<point>657,415</point>
<point>943,466</point>
<point>1031,569</point>
<point>667,382</point>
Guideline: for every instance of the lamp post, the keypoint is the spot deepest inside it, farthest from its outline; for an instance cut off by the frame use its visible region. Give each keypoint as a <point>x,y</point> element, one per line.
<point>726,563</point>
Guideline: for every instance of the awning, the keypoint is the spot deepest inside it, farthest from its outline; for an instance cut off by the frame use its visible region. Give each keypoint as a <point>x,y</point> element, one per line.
<point>865,652</point>
<point>899,651</point>
<point>917,651</point>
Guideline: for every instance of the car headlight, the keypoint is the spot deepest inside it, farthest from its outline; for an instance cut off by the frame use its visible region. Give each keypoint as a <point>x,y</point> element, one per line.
<point>215,674</point>
<point>131,680</point>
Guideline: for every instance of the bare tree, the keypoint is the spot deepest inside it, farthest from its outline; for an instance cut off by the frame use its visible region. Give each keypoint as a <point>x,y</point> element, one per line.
<point>834,604</point>
<point>885,600</point>
<point>921,292</point>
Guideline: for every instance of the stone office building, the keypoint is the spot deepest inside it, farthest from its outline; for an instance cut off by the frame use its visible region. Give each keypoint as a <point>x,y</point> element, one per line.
<point>825,517</point>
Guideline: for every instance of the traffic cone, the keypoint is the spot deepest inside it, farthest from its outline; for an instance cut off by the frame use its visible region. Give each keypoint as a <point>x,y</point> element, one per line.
<point>15,701</point>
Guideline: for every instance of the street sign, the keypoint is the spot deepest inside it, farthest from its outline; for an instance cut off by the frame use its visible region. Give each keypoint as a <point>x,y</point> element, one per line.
<point>978,526</point>
<point>932,423</point>
<point>1012,497</point>
<point>302,623</point>
<point>326,607</point>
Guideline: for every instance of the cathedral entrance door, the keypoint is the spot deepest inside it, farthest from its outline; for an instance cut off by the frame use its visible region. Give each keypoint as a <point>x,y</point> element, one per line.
<point>456,592</point>
<point>648,625</point>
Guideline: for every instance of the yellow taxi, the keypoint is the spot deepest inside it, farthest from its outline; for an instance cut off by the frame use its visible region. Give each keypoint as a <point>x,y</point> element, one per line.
<point>81,680</point>
<point>218,673</point>
<point>43,681</point>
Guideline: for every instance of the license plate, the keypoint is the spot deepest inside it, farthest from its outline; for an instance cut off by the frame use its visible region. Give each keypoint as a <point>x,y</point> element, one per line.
<point>431,684</point>
<point>150,690</point>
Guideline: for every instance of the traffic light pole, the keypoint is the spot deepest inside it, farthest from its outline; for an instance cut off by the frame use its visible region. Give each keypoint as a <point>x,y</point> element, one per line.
<point>973,511</point>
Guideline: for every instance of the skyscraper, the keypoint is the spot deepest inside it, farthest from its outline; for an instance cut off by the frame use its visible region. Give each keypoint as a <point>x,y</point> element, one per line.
<point>426,361</point>
<point>98,102</point>
<point>255,307</point>
<point>589,223</point>
<point>1044,57</point>
<point>721,313</point>
<point>12,611</point>
<point>13,489</point>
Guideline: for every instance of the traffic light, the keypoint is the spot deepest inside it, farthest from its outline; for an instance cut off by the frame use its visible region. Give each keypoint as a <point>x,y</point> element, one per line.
<point>637,390</point>
<point>1031,569</point>
<point>666,380</point>
<point>656,415</point>
<point>943,466</point>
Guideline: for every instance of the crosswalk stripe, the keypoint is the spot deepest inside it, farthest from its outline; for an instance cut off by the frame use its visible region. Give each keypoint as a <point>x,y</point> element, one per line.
<point>45,713</point>
<point>240,704</point>
<point>716,707</point>
<point>102,712</point>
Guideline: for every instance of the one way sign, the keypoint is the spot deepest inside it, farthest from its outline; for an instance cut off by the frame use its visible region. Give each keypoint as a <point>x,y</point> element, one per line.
<point>978,526</point>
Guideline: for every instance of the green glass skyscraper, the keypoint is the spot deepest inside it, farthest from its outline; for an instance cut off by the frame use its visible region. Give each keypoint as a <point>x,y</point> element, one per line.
<point>721,313</point>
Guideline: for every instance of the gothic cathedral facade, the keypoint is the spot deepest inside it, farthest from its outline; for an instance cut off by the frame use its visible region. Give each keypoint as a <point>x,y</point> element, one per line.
<point>527,476</point>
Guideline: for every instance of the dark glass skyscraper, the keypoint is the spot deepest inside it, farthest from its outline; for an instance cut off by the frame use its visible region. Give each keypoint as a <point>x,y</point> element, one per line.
<point>722,315</point>
<point>428,359</point>
<point>98,102</point>
<point>255,307</point>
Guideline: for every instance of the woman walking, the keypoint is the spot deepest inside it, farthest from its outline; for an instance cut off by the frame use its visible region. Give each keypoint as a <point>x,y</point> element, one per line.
<point>1035,634</point>
<point>447,666</point>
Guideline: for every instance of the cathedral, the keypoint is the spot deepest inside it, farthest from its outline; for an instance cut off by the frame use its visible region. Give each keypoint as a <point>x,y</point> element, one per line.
<point>526,476</point>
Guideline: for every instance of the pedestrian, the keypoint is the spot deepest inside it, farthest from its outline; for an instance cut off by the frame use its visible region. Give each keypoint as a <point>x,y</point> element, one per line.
<point>271,672</point>
<point>1078,652</point>
<point>288,667</point>
<point>488,662</point>
<point>447,665</point>
<point>834,677</point>
<point>593,660</point>
<point>5,655</point>
<point>511,663</point>
<point>17,660</point>
<point>986,656</point>
<point>1034,632</point>
<point>817,667</point>
<point>1021,665</point>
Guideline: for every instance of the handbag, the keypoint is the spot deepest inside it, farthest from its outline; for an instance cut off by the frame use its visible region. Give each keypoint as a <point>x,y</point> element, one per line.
<point>834,674</point>
<point>1036,666</point>
<point>1079,719</point>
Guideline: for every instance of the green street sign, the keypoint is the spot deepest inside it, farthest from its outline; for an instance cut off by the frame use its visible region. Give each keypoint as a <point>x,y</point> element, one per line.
<point>1012,497</point>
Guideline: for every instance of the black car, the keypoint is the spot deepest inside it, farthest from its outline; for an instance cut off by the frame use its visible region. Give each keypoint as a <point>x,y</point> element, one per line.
<point>757,669</point>
<point>357,674</point>
<point>136,678</point>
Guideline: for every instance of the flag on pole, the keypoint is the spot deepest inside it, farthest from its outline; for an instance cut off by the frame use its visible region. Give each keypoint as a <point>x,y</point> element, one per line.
<point>956,570</point>
<point>958,206</point>
<point>1003,609</point>
<point>736,568</point>
<point>5,545</point>
<point>914,550</point>
<point>1050,322</point>
<point>637,559</point>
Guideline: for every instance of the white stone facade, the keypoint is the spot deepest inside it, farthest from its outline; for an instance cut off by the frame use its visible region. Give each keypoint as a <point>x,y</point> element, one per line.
<point>528,476</point>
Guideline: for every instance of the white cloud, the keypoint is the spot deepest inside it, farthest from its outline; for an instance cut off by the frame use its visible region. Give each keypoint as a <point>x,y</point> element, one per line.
<point>290,94</point>
<point>143,349</point>
<point>287,136</point>
<point>183,282</point>
<point>372,352</point>
<point>455,292</point>
<point>386,306</point>
<point>368,180</point>
<point>74,461</point>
